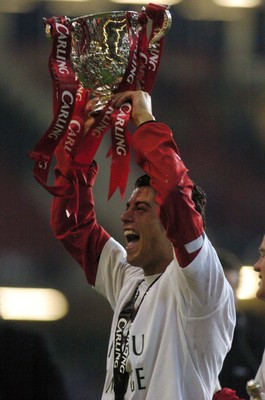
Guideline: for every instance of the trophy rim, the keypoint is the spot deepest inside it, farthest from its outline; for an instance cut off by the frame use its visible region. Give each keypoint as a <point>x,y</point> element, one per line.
<point>104,13</point>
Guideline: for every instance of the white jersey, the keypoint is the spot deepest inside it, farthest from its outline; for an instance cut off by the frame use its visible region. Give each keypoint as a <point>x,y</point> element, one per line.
<point>183,328</point>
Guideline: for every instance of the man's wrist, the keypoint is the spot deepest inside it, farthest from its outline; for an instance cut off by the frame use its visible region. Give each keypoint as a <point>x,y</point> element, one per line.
<point>146,122</point>
<point>145,117</point>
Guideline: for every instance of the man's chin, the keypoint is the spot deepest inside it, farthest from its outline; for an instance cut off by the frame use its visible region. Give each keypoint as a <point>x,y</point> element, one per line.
<point>132,260</point>
<point>260,295</point>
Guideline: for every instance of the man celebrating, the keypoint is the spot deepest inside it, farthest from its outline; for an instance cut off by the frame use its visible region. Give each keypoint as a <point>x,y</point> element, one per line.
<point>260,268</point>
<point>174,312</point>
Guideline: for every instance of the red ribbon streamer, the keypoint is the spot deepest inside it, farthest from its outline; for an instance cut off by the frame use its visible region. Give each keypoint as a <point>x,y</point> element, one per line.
<point>64,96</point>
<point>141,72</point>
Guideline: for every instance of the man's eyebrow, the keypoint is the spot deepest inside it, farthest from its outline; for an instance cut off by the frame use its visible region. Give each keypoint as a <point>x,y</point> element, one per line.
<point>138,203</point>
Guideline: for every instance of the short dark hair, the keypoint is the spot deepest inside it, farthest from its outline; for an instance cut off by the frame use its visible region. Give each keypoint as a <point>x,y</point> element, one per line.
<point>198,195</point>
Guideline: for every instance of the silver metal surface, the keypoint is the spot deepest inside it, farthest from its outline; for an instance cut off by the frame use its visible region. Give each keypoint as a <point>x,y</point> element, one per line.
<point>101,49</point>
<point>254,390</point>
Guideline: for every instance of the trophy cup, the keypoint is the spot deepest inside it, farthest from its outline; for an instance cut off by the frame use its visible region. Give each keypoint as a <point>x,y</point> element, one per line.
<point>104,44</point>
<point>101,50</point>
<point>93,57</point>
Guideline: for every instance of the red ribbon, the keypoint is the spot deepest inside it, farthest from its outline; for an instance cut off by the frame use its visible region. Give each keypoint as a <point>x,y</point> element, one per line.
<point>64,96</point>
<point>120,136</point>
<point>151,57</point>
<point>141,73</point>
<point>69,100</point>
<point>75,129</point>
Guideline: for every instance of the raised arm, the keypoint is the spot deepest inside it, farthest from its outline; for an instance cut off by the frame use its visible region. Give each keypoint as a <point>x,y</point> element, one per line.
<point>157,154</point>
<point>82,236</point>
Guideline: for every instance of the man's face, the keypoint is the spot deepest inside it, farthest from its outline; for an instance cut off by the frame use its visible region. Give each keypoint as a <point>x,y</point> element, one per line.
<point>146,243</point>
<point>259,267</point>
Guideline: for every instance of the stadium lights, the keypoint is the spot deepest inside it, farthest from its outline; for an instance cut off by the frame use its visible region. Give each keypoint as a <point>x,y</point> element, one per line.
<point>32,304</point>
<point>248,283</point>
<point>238,3</point>
<point>142,2</point>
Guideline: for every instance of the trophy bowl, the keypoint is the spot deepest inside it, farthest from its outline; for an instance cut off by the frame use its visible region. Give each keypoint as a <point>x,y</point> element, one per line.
<point>104,45</point>
<point>100,51</point>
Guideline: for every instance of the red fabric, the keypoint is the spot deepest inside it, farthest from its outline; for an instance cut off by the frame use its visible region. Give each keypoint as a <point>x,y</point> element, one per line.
<point>82,237</point>
<point>226,394</point>
<point>64,95</point>
<point>157,153</point>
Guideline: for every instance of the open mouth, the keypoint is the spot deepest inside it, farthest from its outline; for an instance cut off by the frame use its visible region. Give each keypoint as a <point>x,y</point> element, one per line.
<point>131,238</point>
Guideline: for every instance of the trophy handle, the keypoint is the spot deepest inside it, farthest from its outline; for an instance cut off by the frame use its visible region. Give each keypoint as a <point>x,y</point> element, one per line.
<point>165,27</point>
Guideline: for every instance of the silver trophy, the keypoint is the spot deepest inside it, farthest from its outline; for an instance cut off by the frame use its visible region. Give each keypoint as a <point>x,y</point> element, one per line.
<point>102,47</point>
<point>101,50</point>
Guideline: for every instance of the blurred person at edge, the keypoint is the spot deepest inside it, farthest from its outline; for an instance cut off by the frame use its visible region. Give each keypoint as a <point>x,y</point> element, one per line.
<point>174,311</point>
<point>259,267</point>
<point>243,359</point>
